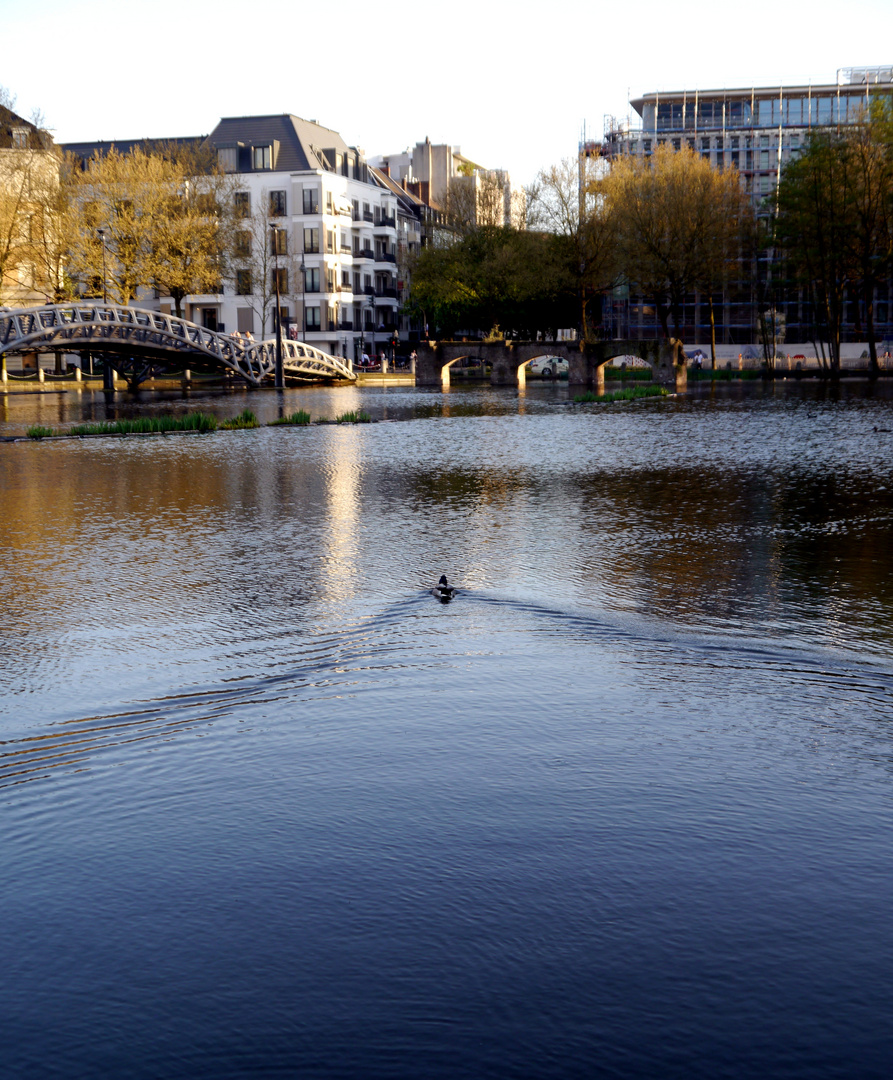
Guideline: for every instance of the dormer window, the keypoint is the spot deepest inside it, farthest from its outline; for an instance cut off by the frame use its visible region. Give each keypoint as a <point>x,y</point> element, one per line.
<point>20,138</point>
<point>228,159</point>
<point>262,157</point>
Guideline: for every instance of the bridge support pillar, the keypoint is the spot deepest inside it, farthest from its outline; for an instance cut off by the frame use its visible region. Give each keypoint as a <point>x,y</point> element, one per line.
<point>671,369</point>
<point>40,375</point>
<point>598,379</point>
<point>108,377</point>
<point>187,378</point>
<point>78,375</point>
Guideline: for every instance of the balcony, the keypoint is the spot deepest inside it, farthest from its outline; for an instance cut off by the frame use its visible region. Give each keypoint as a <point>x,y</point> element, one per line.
<point>368,290</point>
<point>386,256</point>
<point>386,223</point>
<point>367,216</point>
<point>346,324</point>
<point>390,294</point>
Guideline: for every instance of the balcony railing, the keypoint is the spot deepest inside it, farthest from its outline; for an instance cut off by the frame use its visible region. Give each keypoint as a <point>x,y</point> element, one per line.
<point>369,290</point>
<point>386,223</point>
<point>367,215</point>
<point>386,256</point>
<point>364,253</point>
<point>346,324</point>
<point>390,294</point>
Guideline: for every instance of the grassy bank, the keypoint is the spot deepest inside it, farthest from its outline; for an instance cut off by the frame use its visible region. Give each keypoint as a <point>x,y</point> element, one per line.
<point>629,393</point>
<point>197,421</point>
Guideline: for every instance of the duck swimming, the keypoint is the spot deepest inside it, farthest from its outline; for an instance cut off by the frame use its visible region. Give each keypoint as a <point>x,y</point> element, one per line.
<point>442,590</point>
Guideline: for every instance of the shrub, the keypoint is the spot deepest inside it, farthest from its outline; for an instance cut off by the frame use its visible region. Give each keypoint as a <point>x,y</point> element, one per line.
<point>37,431</point>
<point>300,418</point>
<point>358,417</point>
<point>245,419</point>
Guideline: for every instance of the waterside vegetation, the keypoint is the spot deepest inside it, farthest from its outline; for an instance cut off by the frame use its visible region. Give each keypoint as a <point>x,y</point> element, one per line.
<point>628,393</point>
<point>194,421</point>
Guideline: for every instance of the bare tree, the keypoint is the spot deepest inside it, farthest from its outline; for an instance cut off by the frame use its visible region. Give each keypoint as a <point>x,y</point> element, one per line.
<point>564,200</point>
<point>256,252</point>
<point>474,201</point>
<point>29,187</point>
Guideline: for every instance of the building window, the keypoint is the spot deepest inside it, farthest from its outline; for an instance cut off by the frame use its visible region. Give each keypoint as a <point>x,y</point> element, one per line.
<point>677,144</point>
<point>278,241</point>
<point>356,210</point>
<point>311,279</point>
<point>277,204</point>
<point>261,157</point>
<point>345,279</point>
<point>228,159</point>
<point>311,201</point>
<point>312,317</point>
<point>243,204</point>
<point>705,144</point>
<point>280,275</point>
<point>243,282</point>
<point>311,241</point>
<point>20,138</point>
<point>329,206</point>
<point>243,245</point>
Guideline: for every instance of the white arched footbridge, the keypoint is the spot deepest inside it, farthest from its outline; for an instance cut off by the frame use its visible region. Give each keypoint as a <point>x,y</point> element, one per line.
<point>137,334</point>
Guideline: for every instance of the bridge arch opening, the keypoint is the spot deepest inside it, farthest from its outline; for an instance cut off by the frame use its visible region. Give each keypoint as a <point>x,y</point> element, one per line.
<point>467,360</point>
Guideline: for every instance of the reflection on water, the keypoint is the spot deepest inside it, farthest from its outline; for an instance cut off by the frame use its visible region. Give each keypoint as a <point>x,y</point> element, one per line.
<point>620,809</point>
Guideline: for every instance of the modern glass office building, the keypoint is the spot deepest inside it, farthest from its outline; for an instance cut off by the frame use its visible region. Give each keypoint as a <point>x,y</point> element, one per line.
<point>755,130</point>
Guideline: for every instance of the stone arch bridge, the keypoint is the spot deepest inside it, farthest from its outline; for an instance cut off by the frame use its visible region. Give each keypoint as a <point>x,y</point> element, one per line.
<point>134,334</point>
<point>586,362</point>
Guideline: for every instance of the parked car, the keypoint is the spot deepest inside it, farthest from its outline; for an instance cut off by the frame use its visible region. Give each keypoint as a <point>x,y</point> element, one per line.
<point>548,367</point>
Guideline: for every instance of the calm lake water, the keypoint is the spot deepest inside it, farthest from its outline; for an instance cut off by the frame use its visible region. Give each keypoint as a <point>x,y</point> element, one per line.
<point>622,809</point>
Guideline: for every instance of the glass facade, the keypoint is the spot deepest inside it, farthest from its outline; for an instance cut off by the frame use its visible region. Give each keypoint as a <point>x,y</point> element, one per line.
<point>715,113</point>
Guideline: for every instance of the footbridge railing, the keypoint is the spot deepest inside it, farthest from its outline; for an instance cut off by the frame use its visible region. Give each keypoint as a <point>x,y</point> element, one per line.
<point>137,332</point>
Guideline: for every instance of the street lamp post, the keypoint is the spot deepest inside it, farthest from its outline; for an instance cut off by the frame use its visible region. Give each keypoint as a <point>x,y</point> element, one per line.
<point>101,232</point>
<point>303,295</point>
<point>277,321</point>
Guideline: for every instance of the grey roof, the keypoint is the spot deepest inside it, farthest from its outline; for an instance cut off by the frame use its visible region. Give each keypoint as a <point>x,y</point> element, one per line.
<point>301,142</point>
<point>101,147</point>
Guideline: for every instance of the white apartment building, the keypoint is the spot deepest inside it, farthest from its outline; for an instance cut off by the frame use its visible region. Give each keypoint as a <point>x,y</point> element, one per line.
<point>313,218</point>
<point>332,245</point>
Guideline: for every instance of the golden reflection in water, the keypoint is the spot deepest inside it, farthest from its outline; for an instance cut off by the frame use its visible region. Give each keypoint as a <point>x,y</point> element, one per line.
<point>341,536</point>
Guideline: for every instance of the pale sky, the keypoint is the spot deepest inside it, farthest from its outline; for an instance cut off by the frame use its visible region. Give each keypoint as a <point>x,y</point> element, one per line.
<point>511,84</point>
